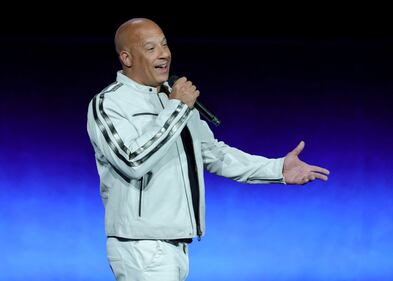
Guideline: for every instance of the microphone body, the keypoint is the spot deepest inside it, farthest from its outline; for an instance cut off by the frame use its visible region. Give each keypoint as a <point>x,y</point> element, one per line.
<point>200,107</point>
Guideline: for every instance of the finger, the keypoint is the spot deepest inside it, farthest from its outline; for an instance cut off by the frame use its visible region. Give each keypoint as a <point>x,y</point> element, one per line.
<point>319,170</point>
<point>179,83</point>
<point>181,80</point>
<point>189,84</point>
<point>298,148</point>
<point>320,176</point>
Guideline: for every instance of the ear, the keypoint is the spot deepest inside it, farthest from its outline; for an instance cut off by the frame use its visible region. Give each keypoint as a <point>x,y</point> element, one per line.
<point>126,58</point>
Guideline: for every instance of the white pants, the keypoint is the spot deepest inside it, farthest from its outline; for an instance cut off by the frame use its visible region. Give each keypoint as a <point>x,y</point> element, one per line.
<point>147,260</point>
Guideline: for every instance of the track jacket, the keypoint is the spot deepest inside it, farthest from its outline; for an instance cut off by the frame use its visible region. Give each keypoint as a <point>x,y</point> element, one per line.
<point>135,132</point>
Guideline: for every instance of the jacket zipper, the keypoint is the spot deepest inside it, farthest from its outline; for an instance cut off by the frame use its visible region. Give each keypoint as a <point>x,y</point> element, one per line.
<point>198,223</point>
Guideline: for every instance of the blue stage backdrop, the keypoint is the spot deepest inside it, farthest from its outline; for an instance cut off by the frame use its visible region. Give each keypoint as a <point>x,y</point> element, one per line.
<point>336,95</point>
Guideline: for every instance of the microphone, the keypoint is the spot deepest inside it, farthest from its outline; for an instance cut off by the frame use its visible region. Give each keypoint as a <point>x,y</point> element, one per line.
<point>201,108</point>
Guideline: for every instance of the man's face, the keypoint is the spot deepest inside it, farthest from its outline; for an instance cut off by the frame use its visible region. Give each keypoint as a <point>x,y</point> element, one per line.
<point>151,57</point>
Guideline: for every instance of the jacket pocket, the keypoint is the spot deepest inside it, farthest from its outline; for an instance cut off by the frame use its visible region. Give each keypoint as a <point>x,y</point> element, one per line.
<point>143,182</point>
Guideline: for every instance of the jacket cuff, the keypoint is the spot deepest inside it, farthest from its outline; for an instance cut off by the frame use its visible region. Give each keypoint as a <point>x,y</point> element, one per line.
<point>272,172</point>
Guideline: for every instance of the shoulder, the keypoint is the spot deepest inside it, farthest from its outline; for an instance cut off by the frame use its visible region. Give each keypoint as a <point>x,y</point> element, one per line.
<point>107,94</point>
<point>111,91</point>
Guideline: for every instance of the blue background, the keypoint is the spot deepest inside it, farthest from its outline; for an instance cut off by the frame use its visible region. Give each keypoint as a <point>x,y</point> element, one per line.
<point>335,93</point>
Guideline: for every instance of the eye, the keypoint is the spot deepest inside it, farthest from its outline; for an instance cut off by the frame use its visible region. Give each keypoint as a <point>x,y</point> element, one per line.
<point>149,47</point>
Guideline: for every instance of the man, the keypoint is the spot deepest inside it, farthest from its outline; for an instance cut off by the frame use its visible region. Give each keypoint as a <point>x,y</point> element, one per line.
<point>151,147</point>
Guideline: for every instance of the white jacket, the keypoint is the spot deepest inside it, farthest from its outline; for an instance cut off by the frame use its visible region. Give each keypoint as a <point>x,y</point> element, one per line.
<point>135,132</point>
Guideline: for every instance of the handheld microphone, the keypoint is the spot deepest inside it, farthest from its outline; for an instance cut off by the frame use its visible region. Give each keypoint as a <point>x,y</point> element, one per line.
<point>201,108</point>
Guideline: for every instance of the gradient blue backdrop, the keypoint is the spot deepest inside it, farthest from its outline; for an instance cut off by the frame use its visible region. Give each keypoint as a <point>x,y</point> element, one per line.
<point>336,95</point>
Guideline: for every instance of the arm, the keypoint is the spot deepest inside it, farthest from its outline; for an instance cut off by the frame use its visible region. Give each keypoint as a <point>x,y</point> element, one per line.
<point>230,162</point>
<point>118,140</point>
<point>227,161</point>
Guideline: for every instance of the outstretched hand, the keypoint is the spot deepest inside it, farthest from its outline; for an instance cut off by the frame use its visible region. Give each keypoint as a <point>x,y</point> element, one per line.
<point>296,171</point>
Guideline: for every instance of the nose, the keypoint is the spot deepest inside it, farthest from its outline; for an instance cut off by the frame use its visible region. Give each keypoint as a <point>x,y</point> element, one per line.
<point>165,52</point>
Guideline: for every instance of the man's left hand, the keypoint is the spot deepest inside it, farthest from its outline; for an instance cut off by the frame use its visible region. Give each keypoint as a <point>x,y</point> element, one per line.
<point>296,171</point>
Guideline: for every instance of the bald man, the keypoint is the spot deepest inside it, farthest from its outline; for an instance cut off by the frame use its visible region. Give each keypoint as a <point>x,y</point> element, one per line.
<point>151,148</point>
<point>145,57</point>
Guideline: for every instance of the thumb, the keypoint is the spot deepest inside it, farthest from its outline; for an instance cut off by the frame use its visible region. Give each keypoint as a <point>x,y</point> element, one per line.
<point>298,148</point>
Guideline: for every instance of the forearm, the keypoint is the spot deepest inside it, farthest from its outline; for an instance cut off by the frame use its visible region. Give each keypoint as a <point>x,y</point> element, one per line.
<point>130,151</point>
<point>238,165</point>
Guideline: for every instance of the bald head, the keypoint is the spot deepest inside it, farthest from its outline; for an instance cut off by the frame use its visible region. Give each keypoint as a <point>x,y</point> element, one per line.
<point>143,52</point>
<point>129,32</point>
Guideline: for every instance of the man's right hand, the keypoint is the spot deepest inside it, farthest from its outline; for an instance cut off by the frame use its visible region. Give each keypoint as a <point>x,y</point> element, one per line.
<point>185,91</point>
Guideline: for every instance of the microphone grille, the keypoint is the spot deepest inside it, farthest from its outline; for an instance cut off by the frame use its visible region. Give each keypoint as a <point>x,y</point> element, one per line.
<point>172,79</point>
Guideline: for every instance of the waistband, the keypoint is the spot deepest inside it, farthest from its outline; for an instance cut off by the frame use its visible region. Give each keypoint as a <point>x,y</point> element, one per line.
<point>175,242</point>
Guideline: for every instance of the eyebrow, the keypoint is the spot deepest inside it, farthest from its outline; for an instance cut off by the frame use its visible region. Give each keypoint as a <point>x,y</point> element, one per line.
<point>153,43</point>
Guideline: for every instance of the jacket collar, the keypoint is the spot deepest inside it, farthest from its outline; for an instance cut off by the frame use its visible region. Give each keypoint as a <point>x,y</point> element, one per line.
<point>121,78</point>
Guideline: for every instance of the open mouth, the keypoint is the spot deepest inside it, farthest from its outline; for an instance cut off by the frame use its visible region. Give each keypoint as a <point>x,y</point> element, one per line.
<point>162,67</point>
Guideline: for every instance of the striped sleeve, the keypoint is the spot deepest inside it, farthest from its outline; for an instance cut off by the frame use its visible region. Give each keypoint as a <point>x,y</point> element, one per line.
<point>118,140</point>
<point>224,160</point>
